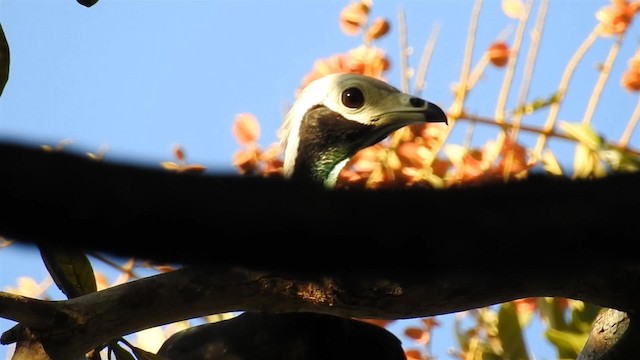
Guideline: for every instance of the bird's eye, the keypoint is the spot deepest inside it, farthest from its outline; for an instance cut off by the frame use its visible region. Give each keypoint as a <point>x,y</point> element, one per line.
<point>353,98</point>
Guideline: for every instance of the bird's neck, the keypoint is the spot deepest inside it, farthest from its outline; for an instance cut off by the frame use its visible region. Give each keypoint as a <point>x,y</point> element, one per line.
<point>326,141</point>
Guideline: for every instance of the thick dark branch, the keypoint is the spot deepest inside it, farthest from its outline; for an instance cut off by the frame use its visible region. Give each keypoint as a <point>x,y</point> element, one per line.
<point>31,312</point>
<point>66,200</point>
<point>409,253</point>
<point>84,323</point>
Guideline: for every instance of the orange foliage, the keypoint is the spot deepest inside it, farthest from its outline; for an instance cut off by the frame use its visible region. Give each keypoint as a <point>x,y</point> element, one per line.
<point>616,18</point>
<point>498,53</point>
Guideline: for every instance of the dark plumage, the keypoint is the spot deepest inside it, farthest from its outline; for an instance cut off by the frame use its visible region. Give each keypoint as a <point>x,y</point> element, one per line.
<point>288,336</point>
<point>332,118</point>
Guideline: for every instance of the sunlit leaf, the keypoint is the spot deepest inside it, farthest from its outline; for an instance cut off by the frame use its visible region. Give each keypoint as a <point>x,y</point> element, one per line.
<point>4,60</point>
<point>120,353</point>
<point>583,162</point>
<point>70,270</point>
<point>569,344</point>
<point>419,335</point>
<point>378,28</point>
<point>513,8</point>
<point>170,165</point>
<point>463,336</point>
<point>178,152</point>
<point>246,128</point>
<point>193,168</point>
<point>510,333</point>
<point>455,153</point>
<point>151,338</point>
<point>550,164</point>
<point>584,134</point>
<point>552,312</point>
<point>413,354</point>
<point>27,286</point>
<point>619,161</point>
<point>353,17</point>
<point>582,318</point>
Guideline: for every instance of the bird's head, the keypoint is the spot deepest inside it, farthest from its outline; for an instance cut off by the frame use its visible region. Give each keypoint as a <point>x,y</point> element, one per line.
<point>339,114</point>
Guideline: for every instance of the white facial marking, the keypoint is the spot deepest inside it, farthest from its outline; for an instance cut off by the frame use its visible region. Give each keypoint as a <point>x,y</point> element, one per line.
<point>380,99</point>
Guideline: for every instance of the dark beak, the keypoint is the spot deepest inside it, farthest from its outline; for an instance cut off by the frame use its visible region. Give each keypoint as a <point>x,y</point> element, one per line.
<point>434,113</point>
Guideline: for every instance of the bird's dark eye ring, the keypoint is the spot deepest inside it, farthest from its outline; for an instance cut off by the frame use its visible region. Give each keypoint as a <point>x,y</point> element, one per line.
<point>353,98</point>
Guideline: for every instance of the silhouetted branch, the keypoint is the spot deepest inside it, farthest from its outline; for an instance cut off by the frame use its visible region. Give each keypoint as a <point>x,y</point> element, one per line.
<point>361,253</point>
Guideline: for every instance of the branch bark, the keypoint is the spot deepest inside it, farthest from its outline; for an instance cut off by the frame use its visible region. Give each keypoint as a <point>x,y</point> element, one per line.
<point>86,322</point>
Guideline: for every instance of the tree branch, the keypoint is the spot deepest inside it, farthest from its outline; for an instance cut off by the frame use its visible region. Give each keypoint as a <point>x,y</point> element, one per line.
<point>407,255</point>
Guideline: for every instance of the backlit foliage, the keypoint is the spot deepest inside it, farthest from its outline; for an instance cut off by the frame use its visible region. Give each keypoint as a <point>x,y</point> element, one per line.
<point>421,155</point>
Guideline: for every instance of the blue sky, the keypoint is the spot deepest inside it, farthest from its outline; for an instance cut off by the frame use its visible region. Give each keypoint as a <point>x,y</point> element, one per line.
<point>140,76</point>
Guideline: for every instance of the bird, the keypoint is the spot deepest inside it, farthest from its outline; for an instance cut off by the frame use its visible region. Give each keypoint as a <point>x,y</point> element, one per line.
<point>283,336</point>
<point>337,115</point>
<point>332,118</point>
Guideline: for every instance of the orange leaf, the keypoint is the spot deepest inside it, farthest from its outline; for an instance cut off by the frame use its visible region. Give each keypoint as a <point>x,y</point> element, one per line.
<point>419,335</point>
<point>353,17</point>
<point>412,153</point>
<point>246,128</point>
<point>246,160</point>
<point>178,152</point>
<point>170,165</point>
<point>430,322</point>
<point>615,19</point>
<point>630,80</point>
<point>378,29</point>
<point>193,168</point>
<point>499,53</point>
<point>413,354</point>
<point>379,322</point>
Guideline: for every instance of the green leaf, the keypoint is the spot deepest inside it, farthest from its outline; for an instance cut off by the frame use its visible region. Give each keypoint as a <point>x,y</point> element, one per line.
<point>536,104</point>
<point>4,60</point>
<point>120,353</point>
<point>552,312</point>
<point>582,318</point>
<point>619,161</point>
<point>70,270</point>
<point>510,333</point>
<point>569,344</point>
<point>582,133</point>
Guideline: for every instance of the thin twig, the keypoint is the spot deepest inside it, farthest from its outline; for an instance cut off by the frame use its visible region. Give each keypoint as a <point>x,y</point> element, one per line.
<point>404,52</point>
<point>477,72</point>
<point>536,36</point>
<point>455,110</point>
<point>458,103</point>
<point>468,135</point>
<point>550,133</point>
<point>511,65</point>
<point>554,109</point>
<point>425,59</point>
<point>114,265</point>
<point>633,121</point>
<point>602,80</point>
